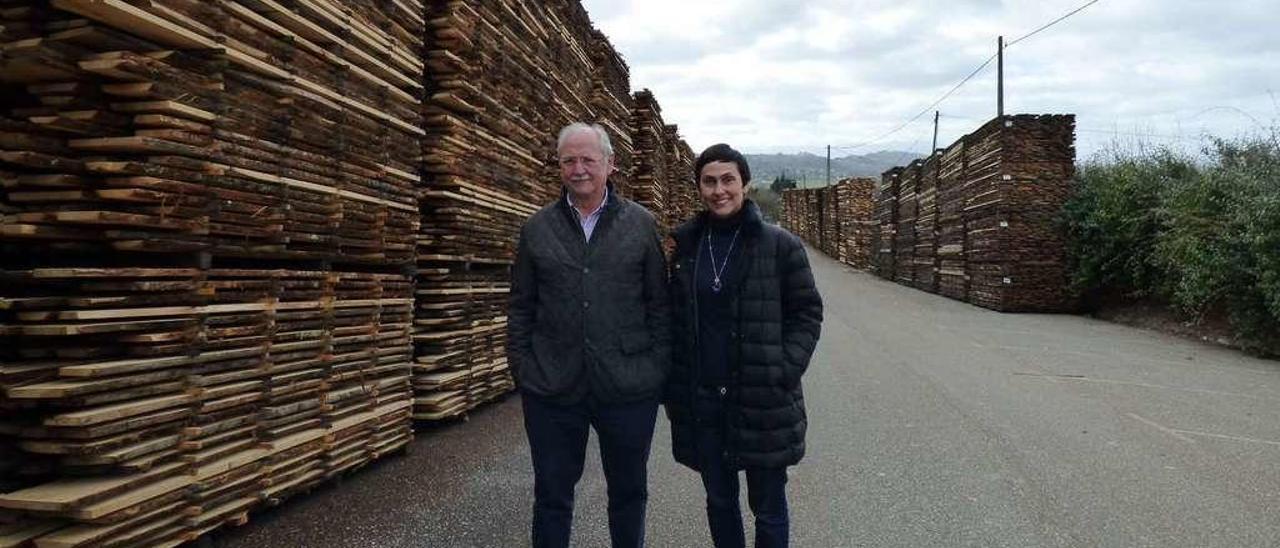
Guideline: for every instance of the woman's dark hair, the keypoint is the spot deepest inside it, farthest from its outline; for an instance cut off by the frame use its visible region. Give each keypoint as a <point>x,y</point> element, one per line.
<point>721,152</point>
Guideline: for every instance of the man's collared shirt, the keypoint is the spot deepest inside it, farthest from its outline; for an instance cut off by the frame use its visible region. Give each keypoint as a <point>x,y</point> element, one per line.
<point>589,222</point>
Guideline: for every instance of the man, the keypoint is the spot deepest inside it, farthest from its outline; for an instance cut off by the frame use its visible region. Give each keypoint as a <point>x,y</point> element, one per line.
<point>588,339</point>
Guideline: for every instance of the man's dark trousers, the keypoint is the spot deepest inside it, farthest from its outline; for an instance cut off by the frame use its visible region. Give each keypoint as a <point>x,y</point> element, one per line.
<point>558,443</point>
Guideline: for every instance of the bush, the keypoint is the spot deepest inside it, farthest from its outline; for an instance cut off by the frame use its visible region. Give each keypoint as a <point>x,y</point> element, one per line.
<point>1200,234</point>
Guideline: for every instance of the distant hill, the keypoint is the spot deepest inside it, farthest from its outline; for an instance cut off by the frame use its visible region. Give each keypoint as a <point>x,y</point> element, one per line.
<point>811,169</point>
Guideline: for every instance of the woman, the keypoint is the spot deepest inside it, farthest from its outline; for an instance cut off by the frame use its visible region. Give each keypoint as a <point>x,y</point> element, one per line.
<point>746,316</point>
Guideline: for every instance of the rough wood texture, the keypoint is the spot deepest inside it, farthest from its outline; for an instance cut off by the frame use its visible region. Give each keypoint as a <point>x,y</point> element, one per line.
<point>978,220</point>
<point>208,211</point>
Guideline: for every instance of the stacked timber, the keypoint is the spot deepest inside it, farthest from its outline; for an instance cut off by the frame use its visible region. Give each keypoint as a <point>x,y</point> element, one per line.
<point>683,201</point>
<point>653,164</point>
<point>486,167</point>
<point>857,221</point>
<point>926,251</point>
<point>792,209</point>
<point>613,104</point>
<point>904,242</point>
<point>1019,177</point>
<point>887,224</point>
<point>952,233</point>
<point>208,209</point>
<point>978,221</point>
<point>829,220</point>
<point>812,223</point>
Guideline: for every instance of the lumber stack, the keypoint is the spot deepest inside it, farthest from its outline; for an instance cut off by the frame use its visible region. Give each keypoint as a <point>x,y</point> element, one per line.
<point>951,230</point>
<point>486,153</point>
<point>791,210</point>
<point>812,223</point>
<point>506,76</point>
<point>683,200</point>
<point>208,207</point>
<point>925,256</point>
<point>829,220</point>
<point>653,166</point>
<point>1020,177</point>
<point>857,221</point>
<point>612,103</point>
<point>980,217</point>
<point>887,224</point>
<point>905,237</point>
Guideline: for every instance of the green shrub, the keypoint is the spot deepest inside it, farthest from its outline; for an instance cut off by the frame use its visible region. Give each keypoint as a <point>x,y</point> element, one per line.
<point>1201,234</point>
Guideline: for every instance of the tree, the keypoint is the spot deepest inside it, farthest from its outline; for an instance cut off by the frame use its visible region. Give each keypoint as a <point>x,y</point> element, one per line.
<point>781,183</point>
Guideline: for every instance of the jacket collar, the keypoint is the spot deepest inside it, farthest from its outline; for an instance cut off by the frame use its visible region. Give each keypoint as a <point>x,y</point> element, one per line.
<point>752,223</point>
<point>610,199</point>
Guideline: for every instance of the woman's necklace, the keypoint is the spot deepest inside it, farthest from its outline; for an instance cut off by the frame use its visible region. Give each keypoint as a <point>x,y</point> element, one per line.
<point>716,272</point>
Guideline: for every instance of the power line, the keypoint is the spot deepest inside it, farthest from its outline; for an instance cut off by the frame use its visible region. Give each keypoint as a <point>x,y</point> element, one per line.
<point>964,81</point>
<point>1051,23</point>
<point>926,109</point>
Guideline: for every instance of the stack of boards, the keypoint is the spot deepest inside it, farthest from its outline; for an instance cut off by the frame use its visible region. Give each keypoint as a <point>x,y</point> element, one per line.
<point>209,221</point>
<point>977,221</point>
<point>838,218</point>
<point>246,242</point>
<point>503,78</point>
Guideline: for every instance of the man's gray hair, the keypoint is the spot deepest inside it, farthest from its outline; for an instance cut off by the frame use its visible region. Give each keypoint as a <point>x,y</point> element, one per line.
<point>606,146</point>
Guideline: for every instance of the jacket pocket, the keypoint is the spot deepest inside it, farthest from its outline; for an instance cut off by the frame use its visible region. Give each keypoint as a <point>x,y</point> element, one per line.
<point>635,342</point>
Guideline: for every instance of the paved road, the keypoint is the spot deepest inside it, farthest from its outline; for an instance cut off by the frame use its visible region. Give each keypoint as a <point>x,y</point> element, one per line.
<point>932,423</point>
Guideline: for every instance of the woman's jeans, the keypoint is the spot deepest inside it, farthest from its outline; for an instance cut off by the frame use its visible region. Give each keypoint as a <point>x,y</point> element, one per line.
<point>766,487</point>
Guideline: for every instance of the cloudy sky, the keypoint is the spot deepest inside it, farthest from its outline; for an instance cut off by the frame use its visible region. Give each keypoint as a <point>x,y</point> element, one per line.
<point>786,76</point>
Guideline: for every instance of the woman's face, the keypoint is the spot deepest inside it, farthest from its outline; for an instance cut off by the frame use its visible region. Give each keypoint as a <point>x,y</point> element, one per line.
<point>721,188</point>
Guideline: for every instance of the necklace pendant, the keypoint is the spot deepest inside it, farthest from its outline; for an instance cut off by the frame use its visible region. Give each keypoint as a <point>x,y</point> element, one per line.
<point>715,286</point>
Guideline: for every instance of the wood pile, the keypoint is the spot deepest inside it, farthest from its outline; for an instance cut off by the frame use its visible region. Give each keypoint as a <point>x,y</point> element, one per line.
<point>953,281</point>
<point>904,243</point>
<point>925,256</point>
<point>488,120</point>
<point>980,217</point>
<point>857,221</point>
<point>683,200</point>
<point>829,220</point>
<point>1020,175</point>
<point>887,224</point>
<point>245,241</point>
<point>653,167</point>
<point>613,105</point>
<point>792,210</point>
<point>208,209</point>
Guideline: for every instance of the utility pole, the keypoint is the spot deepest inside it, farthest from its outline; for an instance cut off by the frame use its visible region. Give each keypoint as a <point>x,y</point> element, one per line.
<point>828,165</point>
<point>936,115</point>
<point>1000,76</point>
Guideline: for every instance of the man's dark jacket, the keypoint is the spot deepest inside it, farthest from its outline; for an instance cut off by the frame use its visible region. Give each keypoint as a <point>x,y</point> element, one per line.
<point>590,318</point>
<point>776,319</point>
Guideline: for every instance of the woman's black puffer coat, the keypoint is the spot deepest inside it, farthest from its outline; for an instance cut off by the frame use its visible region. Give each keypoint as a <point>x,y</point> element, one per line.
<point>777,317</point>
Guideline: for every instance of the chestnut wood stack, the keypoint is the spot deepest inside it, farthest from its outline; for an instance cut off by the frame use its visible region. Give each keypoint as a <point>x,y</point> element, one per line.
<point>245,241</point>
<point>995,195</point>
<point>905,236</point>
<point>486,163</point>
<point>1016,257</point>
<point>887,224</point>
<point>829,220</point>
<point>925,256</point>
<point>857,222</point>
<point>208,211</point>
<point>613,104</point>
<point>952,278</point>
<point>683,201</point>
<point>652,175</point>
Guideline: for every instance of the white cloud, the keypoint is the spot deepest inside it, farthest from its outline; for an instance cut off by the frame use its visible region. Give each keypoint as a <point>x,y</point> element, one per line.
<point>776,75</point>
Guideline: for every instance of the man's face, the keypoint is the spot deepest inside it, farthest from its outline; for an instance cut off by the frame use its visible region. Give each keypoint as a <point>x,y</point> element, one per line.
<point>583,166</point>
<point>721,188</point>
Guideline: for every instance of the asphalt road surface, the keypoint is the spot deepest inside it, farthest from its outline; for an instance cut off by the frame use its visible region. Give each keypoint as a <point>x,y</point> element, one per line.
<point>932,423</point>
